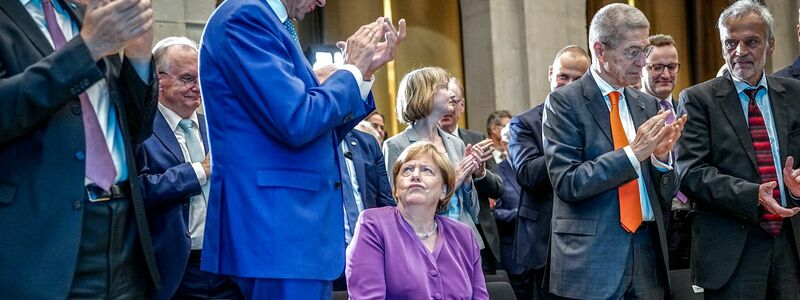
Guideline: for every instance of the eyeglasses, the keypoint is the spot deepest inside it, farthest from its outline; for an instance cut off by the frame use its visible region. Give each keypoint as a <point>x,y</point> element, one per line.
<point>634,53</point>
<point>658,68</point>
<point>455,100</point>
<point>189,81</point>
<point>731,45</point>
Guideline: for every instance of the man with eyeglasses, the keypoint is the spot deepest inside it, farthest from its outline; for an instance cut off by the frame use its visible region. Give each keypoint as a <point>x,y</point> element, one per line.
<point>608,152</point>
<point>175,171</point>
<point>736,161</point>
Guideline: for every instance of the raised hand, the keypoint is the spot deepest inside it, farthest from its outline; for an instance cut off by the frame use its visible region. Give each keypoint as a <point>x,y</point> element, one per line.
<point>666,144</point>
<point>110,26</point>
<point>770,204</point>
<point>360,47</point>
<point>648,136</point>
<point>467,165</point>
<point>791,177</point>
<point>387,49</point>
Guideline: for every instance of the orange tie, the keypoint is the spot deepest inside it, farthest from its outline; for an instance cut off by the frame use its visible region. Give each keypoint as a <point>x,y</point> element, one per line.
<point>630,208</point>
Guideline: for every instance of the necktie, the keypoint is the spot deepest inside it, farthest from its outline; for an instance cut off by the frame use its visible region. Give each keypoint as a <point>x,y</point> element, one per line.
<point>630,206</point>
<point>766,165</point>
<point>348,196</point>
<point>290,27</point>
<point>192,141</point>
<point>667,106</point>
<point>99,165</point>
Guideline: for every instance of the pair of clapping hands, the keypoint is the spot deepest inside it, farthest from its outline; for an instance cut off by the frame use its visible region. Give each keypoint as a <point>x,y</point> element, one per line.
<point>113,25</point>
<point>473,161</point>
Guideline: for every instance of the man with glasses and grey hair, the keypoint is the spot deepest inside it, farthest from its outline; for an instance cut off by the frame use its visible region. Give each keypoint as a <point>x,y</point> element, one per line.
<point>607,149</point>
<point>736,161</point>
<point>175,171</point>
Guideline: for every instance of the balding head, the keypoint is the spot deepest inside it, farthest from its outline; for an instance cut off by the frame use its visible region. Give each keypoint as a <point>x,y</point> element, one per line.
<point>570,63</point>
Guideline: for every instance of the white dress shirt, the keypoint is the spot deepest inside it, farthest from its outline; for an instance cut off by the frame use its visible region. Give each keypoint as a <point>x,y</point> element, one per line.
<point>197,203</point>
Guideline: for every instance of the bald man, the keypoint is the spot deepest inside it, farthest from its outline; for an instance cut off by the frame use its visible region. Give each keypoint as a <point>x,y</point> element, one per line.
<point>525,150</point>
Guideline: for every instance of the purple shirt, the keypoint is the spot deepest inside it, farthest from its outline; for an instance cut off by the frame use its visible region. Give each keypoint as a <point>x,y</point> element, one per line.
<point>386,260</point>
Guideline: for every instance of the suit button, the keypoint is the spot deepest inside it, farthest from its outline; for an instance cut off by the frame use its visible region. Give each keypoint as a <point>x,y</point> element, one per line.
<point>77,204</point>
<point>665,180</point>
<point>76,109</point>
<point>188,234</point>
<point>348,118</point>
<point>80,155</point>
<point>433,273</point>
<point>338,185</point>
<point>437,296</point>
<point>743,226</point>
<point>85,82</point>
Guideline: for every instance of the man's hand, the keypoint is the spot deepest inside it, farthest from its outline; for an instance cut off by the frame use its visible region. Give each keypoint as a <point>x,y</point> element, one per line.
<point>324,72</point>
<point>360,47</point>
<point>206,163</point>
<point>649,135</point>
<point>386,50</point>
<point>467,165</point>
<point>770,204</point>
<point>665,146</point>
<point>791,177</point>
<point>487,147</point>
<point>108,26</point>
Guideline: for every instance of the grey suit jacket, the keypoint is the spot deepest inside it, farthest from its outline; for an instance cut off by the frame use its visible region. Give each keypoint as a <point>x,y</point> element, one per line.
<point>468,199</point>
<point>589,247</point>
<point>717,164</point>
<point>492,188</point>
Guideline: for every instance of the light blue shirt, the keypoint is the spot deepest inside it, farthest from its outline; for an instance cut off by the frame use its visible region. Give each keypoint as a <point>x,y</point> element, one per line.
<point>762,100</point>
<point>630,134</point>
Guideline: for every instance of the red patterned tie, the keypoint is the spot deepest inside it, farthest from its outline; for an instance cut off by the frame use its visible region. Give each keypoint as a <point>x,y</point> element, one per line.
<point>99,165</point>
<point>772,223</point>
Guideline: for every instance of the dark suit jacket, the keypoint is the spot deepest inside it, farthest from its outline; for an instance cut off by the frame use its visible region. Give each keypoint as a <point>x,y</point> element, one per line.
<point>717,165</point>
<point>42,149</point>
<point>168,183</point>
<point>532,241</point>
<point>367,157</point>
<point>505,215</point>
<point>486,191</point>
<point>589,247</point>
<point>790,71</point>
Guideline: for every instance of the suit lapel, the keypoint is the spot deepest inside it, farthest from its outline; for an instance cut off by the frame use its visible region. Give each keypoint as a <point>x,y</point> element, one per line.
<point>201,119</point>
<point>19,15</point>
<point>780,106</point>
<point>636,108</point>
<point>165,134</point>
<point>597,105</point>
<point>731,105</point>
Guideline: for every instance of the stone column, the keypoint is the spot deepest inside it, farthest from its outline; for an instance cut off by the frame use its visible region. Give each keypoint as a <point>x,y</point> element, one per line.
<point>787,48</point>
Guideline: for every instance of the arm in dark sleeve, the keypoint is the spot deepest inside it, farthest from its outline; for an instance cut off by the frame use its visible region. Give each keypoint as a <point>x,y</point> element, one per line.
<point>384,193</point>
<point>525,149</point>
<point>29,98</point>
<point>168,188</point>
<point>140,100</point>
<point>490,185</point>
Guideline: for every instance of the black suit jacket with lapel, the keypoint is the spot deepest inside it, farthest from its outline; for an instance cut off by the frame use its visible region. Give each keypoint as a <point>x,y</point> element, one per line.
<point>717,164</point>
<point>42,150</point>
<point>486,189</point>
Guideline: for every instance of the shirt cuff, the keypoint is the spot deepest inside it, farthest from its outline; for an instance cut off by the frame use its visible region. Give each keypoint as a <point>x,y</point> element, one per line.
<point>632,158</point>
<point>201,174</point>
<point>661,166</point>
<point>363,85</point>
<point>142,69</point>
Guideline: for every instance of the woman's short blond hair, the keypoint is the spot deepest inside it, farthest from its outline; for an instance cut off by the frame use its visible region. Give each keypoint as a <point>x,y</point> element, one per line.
<point>415,93</point>
<point>427,149</point>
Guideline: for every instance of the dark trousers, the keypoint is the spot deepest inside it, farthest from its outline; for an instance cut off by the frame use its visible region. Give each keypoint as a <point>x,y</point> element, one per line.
<point>198,284</point>
<point>767,269</point>
<point>644,271</point>
<point>488,260</point>
<point>288,289</point>
<point>110,260</point>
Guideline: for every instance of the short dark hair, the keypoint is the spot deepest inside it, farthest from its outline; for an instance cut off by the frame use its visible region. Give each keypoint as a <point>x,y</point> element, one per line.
<point>660,40</point>
<point>494,119</point>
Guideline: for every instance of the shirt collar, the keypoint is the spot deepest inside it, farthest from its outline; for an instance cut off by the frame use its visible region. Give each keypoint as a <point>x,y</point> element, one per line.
<point>173,119</point>
<point>743,85</point>
<point>605,87</point>
<point>38,4</point>
<point>279,9</point>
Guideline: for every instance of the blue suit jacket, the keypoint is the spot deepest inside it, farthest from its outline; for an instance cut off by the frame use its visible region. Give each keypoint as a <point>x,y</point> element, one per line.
<point>275,205</point>
<point>589,247</point>
<point>505,214</point>
<point>168,181</point>
<point>367,157</point>
<point>532,240</point>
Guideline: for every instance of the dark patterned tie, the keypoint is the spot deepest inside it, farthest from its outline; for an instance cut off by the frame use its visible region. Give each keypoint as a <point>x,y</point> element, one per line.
<point>290,27</point>
<point>772,223</point>
<point>99,165</point>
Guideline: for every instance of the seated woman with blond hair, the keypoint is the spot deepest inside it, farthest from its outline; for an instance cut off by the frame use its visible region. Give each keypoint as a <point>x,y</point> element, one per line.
<point>408,251</point>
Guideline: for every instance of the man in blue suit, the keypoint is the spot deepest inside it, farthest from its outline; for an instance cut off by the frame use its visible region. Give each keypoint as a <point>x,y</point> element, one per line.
<point>174,171</point>
<point>275,212</point>
<point>607,150</point>
<point>526,153</point>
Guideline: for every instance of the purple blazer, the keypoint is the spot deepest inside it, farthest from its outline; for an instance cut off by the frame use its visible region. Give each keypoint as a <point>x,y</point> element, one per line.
<point>386,260</point>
